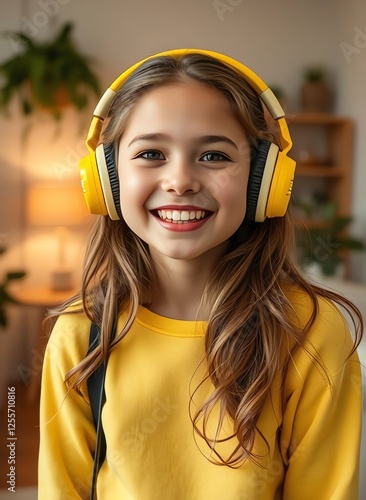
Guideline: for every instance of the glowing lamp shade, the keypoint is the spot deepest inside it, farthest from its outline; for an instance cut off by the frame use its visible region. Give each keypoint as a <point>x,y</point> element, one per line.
<point>59,208</point>
<point>56,206</point>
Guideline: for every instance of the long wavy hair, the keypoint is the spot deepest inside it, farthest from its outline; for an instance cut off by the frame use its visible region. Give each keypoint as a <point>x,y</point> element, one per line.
<point>249,321</point>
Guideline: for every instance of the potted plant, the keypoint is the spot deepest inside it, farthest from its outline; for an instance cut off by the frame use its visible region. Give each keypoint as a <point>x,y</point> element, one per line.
<point>47,75</point>
<point>324,242</point>
<point>316,96</point>
<point>5,296</point>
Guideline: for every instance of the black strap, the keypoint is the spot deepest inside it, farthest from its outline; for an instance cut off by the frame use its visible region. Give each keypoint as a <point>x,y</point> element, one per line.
<point>97,399</point>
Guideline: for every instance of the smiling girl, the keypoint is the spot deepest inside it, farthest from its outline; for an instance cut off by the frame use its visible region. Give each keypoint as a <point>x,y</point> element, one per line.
<point>228,375</point>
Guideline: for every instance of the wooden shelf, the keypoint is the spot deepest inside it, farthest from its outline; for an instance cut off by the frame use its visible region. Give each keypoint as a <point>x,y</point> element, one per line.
<point>323,145</point>
<point>42,296</point>
<point>329,137</point>
<point>316,119</point>
<point>319,171</point>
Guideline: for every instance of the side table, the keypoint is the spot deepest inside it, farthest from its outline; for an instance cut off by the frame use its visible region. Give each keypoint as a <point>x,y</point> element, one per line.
<point>40,298</point>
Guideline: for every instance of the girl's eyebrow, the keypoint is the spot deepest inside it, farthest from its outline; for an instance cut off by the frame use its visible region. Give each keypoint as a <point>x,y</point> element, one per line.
<point>206,139</point>
<point>149,137</point>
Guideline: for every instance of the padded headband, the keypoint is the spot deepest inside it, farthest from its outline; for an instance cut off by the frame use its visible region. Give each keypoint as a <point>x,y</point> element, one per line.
<point>264,92</point>
<point>271,178</point>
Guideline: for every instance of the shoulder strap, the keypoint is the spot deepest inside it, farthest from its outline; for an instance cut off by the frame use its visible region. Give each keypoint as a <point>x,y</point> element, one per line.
<point>95,384</point>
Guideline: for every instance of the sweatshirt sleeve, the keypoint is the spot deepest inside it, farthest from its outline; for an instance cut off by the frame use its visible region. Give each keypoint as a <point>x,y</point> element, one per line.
<point>67,436</point>
<point>321,429</point>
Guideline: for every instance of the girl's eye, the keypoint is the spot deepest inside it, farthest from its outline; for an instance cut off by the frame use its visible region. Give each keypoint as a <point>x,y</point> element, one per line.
<point>214,156</point>
<point>151,155</point>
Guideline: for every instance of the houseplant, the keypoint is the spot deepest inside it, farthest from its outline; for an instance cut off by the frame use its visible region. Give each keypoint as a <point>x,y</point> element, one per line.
<point>47,75</point>
<point>5,295</point>
<point>316,95</point>
<point>324,240</point>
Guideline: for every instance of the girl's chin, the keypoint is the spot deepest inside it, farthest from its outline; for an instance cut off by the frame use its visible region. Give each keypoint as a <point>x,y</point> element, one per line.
<point>186,253</point>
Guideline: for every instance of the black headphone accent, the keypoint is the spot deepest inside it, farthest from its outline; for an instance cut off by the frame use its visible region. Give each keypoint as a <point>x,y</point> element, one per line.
<point>113,176</point>
<point>257,164</point>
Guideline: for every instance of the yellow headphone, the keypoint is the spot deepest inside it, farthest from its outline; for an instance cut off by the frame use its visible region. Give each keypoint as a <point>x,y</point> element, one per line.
<point>271,172</point>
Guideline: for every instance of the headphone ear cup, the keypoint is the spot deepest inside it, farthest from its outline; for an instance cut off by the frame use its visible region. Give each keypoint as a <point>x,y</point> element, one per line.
<point>261,170</point>
<point>270,182</point>
<point>281,186</point>
<point>106,164</point>
<point>92,188</point>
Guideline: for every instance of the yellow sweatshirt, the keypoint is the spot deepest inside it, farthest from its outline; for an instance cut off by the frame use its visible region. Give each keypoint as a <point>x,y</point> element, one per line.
<point>152,451</point>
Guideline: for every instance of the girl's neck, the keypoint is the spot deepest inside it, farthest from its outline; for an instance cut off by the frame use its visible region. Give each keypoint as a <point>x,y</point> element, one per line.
<point>180,285</point>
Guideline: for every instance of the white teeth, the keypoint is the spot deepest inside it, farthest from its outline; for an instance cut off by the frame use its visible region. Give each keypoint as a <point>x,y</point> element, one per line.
<point>181,217</point>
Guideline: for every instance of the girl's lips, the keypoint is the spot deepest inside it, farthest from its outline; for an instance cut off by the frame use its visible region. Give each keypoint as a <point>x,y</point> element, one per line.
<point>181,225</point>
<point>180,207</point>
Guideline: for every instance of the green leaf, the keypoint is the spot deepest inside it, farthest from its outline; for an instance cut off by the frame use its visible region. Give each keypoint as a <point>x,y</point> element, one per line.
<point>351,243</point>
<point>3,321</point>
<point>339,224</point>
<point>23,38</point>
<point>65,33</point>
<point>15,275</point>
<point>330,264</point>
<point>41,70</point>
<point>26,107</point>
<point>329,210</point>
<point>4,295</point>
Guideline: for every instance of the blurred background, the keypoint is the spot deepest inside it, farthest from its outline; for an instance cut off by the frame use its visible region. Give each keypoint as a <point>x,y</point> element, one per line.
<point>312,54</point>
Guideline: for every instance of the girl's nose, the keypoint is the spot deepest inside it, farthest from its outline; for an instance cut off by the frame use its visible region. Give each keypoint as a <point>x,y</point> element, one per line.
<point>181,179</point>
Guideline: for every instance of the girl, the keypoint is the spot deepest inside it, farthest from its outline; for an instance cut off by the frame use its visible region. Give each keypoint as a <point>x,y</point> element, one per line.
<point>229,376</point>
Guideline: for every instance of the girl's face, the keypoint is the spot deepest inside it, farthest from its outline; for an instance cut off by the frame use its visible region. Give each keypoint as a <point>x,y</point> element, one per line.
<point>183,166</point>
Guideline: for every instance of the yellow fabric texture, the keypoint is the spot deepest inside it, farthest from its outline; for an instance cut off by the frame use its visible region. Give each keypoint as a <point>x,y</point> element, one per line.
<point>152,451</point>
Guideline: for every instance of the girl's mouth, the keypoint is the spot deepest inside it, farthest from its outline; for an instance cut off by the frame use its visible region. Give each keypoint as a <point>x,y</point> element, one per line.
<point>182,216</point>
<point>181,220</point>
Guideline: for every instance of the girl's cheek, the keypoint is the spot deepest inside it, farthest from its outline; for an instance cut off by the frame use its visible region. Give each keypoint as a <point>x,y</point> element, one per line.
<point>129,181</point>
<point>130,186</point>
<point>134,188</point>
<point>229,180</point>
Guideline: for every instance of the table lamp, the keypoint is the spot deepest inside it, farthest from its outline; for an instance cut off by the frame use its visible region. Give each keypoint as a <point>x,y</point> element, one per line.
<point>57,207</point>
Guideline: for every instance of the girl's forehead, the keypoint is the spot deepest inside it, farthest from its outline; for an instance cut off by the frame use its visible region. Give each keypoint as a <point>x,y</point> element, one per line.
<point>188,87</point>
<point>189,100</point>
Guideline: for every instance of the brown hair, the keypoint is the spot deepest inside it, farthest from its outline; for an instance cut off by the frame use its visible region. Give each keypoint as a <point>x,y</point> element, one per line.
<point>249,321</point>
